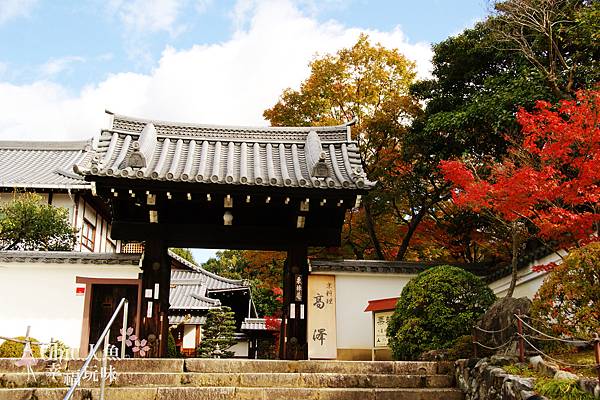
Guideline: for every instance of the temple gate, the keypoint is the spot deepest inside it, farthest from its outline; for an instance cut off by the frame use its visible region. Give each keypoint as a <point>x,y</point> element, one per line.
<point>186,185</point>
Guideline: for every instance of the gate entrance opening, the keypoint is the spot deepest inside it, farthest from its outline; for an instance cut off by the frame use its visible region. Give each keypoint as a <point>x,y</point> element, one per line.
<point>186,185</point>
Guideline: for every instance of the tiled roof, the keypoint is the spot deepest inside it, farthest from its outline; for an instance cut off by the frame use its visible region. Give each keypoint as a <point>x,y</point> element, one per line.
<point>69,257</point>
<point>191,287</point>
<point>370,266</point>
<point>42,165</point>
<point>254,324</point>
<point>195,273</point>
<point>187,319</point>
<point>323,157</point>
<point>188,297</point>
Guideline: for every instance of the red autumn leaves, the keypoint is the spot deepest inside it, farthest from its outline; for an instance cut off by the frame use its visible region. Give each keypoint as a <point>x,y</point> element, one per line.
<point>551,179</point>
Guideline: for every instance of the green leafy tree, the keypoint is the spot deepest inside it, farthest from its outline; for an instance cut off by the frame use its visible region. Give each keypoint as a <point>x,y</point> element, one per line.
<point>436,308</point>
<point>227,263</point>
<point>370,84</point>
<point>526,51</point>
<point>569,300</point>
<point>27,223</point>
<point>186,254</point>
<point>219,330</point>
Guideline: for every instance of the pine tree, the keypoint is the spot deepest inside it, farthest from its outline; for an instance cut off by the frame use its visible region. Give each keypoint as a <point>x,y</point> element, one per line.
<point>218,330</point>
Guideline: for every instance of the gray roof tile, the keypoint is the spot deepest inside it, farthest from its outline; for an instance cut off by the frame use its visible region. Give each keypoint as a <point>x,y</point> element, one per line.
<point>42,165</point>
<point>186,319</point>
<point>270,156</point>
<point>255,324</point>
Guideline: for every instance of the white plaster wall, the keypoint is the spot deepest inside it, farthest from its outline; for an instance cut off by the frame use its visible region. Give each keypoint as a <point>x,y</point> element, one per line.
<point>42,295</point>
<point>240,349</point>
<point>528,281</point>
<point>189,336</point>
<point>66,201</point>
<point>353,292</point>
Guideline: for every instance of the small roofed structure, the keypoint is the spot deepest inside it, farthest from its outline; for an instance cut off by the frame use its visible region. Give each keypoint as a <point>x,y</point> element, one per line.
<point>194,291</point>
<point>189,185</point>
<point>258,329</point>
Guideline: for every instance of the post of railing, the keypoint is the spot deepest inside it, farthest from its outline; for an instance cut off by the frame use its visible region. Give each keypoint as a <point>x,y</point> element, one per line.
<point>104,364</point>
<point>520,333</point>
<point>474,340</point>
<point>124,328</point>
<point>597,354</point>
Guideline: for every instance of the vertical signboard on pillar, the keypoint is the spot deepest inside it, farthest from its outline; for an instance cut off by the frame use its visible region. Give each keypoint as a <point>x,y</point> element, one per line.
<point>322,343</point>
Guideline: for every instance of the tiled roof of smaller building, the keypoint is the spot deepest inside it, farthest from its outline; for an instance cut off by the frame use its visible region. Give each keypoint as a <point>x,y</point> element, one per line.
<point>188,297</point>
<point>187,319</point>
<point>315,157</point>
<point>42,165</point>
<point>255,324</point>
<point>191,287</point>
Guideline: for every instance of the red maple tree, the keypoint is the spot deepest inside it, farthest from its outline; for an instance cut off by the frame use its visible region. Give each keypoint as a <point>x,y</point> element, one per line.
<point>550,181</point>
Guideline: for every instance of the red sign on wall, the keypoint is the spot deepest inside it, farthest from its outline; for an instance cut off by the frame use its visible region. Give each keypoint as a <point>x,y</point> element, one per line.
<point>80,290</point>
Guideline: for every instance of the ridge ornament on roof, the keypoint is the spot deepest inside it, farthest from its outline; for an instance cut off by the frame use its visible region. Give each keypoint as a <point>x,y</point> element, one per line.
<point>320,157</point>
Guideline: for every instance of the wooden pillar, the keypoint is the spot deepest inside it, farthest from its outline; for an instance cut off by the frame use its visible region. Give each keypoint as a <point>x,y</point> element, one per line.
<point>156,281</point>
<point>294,345</point>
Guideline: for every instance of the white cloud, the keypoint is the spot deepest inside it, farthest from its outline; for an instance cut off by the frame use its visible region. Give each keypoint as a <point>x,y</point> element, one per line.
<point>57,65</point>
<point>10,9</point>
<point>148,15</point>
<point>226,83</point>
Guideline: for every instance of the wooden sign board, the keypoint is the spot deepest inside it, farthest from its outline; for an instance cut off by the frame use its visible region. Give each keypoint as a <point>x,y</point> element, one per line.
<point>380,324</point>
<point>322,343</point>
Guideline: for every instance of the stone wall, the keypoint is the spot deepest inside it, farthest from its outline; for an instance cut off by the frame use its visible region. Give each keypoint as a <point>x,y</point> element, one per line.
<point>484,379</point>
<point>479,379</point>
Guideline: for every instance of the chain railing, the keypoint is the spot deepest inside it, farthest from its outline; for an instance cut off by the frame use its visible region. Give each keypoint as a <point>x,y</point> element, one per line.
<point>526,341</point>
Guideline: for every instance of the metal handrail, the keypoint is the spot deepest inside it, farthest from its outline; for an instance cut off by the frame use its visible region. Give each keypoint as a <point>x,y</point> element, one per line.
<point>96,347</point>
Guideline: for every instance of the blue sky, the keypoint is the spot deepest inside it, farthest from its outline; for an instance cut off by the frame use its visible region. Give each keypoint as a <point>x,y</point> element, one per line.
<point>62,63</point>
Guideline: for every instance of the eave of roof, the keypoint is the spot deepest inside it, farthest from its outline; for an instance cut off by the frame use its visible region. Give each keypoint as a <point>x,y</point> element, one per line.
<point>136,148</point>
<point>69,257</point>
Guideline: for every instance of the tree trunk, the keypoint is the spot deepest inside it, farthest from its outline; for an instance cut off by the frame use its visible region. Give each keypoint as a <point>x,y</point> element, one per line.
<point>516,244</point>
<point>372,233</point>
<point>412,227</point>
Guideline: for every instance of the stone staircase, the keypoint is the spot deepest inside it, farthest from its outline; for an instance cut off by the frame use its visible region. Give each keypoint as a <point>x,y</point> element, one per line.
<point>207,379</point>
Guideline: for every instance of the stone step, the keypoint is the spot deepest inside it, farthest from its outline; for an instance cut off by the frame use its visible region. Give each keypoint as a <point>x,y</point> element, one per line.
<point>305,380</point>
<point>233,393</point>
<point>339,367</point>
<point>237,365</point>
<point>127,365</point>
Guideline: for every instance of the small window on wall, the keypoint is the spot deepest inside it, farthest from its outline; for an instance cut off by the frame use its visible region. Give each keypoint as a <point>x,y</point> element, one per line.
<point>88,233</point>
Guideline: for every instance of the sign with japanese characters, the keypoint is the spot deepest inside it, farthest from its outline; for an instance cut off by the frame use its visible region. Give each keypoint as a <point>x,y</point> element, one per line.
<point>381,320</point>
<point>322,342</point>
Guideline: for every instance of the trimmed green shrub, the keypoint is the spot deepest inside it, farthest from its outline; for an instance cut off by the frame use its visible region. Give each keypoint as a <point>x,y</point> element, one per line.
<point>568,301</point>
<point>171,347</point>
<point>219,329</point>
<point>435,308</point>
<point>10,349</point>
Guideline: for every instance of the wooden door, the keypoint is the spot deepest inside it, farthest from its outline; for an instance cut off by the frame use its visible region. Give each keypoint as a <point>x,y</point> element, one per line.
<point>105,298</point>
